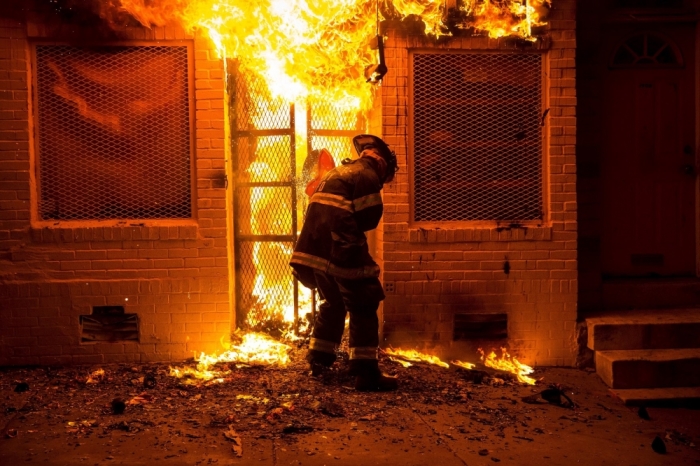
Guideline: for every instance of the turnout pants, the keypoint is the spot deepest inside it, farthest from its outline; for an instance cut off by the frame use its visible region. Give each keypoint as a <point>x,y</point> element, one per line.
<point>361,299</point>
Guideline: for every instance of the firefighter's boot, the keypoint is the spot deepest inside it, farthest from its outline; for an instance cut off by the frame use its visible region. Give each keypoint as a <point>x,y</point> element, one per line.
<point>378,382</point>
<point>368,377</point>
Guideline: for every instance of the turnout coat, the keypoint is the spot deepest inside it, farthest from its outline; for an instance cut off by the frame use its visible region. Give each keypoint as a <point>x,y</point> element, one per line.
<point>346,204</point>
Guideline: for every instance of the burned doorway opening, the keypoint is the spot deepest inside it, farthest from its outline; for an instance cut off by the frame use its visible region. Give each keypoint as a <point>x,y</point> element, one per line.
<point>275,147</point>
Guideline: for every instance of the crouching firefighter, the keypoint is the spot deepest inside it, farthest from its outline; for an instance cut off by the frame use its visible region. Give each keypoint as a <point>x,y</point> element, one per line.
<point>332,256</point>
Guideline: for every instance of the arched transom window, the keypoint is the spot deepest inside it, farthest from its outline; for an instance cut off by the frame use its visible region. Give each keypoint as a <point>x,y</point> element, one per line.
<point>647,50</point>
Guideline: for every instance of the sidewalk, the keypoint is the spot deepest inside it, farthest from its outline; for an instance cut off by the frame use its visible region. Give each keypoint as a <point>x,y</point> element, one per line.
<point>283,417</point>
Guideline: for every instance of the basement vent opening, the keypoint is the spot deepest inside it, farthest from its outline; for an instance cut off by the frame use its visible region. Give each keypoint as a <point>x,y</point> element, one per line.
<point>109,324</point>
<point>480,326</point>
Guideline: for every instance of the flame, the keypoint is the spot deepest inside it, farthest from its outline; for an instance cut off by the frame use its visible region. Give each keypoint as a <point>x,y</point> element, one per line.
<point>503,18</point>
<point>463,365</point>
<point>508,363</point>
<point>255,349</point>
<point>319,50</point>
<point>415,356</point>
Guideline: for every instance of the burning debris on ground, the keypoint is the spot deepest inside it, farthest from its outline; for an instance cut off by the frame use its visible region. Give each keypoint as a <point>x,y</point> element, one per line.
<point>241,405</point>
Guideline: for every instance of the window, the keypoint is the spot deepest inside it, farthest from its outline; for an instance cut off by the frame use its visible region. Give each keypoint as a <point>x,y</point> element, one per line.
<point>647,51</point>
<point>113,132</point>
<point>477,137</point>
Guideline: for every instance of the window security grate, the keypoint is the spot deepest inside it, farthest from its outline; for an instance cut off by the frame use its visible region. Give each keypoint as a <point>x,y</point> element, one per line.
<point>114,132</point>
<point>477,137</point>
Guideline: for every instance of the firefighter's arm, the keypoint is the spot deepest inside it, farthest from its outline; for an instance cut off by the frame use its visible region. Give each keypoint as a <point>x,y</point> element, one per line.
<point>367,202</point>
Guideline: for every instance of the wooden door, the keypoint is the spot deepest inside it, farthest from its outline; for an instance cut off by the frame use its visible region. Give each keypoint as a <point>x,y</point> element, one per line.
<point>648,163</point>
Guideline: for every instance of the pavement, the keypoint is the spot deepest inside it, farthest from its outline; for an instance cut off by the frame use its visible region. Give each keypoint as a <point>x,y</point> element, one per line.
<point>282,416</point>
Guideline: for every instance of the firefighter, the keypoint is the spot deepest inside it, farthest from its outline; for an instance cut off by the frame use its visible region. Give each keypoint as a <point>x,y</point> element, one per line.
<point>332,256</point>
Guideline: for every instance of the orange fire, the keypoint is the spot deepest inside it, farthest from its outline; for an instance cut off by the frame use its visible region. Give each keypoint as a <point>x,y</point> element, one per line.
<point>463,365</point>
<point>508,363</point>
<point>319,50</point>
<point>254,349</point>
<point>503,18</point>
<point>403,356</point>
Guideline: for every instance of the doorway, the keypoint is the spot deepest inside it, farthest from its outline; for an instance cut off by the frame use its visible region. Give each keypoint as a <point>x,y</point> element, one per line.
<point>648,159</point>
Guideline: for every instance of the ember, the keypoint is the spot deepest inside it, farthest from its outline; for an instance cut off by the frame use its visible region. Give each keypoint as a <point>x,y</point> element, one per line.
<point>508,363</point>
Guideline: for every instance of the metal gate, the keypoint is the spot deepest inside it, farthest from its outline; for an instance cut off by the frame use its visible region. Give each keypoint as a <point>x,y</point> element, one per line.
<point>264,202</point>
<point>332,128</point>
<point>267,193</point>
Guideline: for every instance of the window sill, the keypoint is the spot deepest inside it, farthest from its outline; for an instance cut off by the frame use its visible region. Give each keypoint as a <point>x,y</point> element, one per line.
<point>113,230</point>
<point>479,234</point>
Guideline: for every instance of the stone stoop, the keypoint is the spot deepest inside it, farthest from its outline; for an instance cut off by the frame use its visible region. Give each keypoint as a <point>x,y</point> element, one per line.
<point>649,356</point>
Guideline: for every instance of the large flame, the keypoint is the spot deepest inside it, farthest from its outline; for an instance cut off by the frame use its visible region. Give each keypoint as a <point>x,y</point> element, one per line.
<point>319,50</point>
<point>503,18</point>
<point>508,363</point>
<point>254,349</point>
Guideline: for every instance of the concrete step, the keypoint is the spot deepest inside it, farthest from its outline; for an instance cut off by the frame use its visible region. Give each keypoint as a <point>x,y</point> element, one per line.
<point>651,293</point>
<point>647,329</point>
<point>659,368</point>
<point>675,396</point>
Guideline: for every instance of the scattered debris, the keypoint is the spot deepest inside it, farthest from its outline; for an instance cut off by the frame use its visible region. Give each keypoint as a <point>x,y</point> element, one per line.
<point>95,377</point>
<point>118,406</point>
<point>658,445</point>
<point>552,395</point>
<point>331,409</point>
<point>643,413</point>
<point>232,436</point>
<point>21,387</point>
<point>297,428</point>
<point>11,433</point>
<point>150,381</point>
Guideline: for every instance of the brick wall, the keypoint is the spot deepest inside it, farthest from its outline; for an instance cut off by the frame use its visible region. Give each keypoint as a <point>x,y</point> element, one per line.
<point>173,274</point>
<point>438,272</point>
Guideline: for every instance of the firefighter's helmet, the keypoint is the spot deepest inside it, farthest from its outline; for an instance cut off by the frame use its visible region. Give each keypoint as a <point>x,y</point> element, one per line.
<point>368,141</point>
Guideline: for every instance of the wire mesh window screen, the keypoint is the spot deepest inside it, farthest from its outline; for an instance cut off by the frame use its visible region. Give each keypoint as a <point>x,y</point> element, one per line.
<point>477,136</point>
<point>114,132</point>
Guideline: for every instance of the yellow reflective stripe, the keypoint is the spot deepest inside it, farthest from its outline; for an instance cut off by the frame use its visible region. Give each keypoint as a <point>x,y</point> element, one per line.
<point>355,273</point>
<point>365,202</point>
<point>308,260</point>
<point>332,200</point>
<point>323,346</point>
<point>363,352</point>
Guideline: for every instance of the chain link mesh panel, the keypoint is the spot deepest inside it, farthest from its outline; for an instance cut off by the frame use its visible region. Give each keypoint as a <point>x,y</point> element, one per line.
<point>264,205</point>
<point>114,134</point>
<point>265,294</point>
<point>477,136</point>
